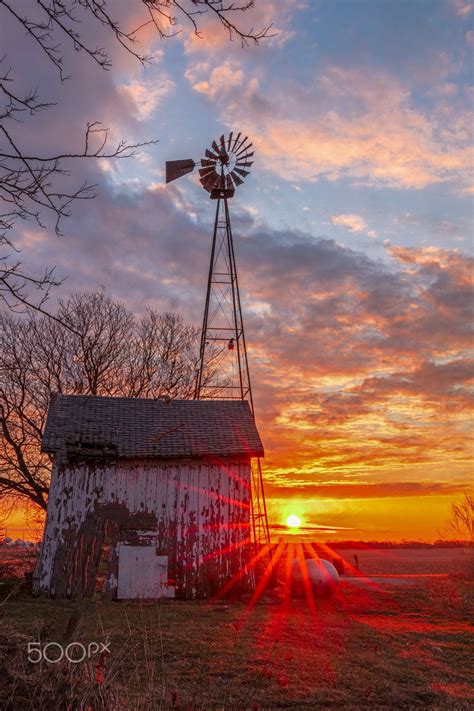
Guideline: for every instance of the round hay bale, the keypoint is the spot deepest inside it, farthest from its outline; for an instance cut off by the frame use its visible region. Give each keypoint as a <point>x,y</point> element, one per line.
<point>323,577</point>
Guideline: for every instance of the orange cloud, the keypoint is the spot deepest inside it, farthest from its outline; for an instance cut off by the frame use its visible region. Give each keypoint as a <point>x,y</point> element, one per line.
<point>355,123</point>
<point>362,377</point>
<point>354,223</point>
<point>355,490</point>
<point>383,141</point>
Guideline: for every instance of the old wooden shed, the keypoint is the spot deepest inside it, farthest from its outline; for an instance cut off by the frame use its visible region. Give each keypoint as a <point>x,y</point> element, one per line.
<point>148,498</point>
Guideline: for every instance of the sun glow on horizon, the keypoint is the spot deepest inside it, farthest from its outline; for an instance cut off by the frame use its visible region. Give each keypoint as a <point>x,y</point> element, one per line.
<point>293,521</point>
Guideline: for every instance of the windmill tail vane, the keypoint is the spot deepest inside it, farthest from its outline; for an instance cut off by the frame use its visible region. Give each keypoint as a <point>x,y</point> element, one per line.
<point>223,371</point>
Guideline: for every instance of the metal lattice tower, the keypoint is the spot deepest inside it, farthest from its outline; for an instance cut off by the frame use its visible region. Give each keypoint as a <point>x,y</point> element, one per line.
<point>223,371</point>
<point>223,365</point>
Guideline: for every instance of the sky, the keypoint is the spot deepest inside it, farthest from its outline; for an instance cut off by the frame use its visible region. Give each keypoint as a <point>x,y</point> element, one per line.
<point>353,233</point>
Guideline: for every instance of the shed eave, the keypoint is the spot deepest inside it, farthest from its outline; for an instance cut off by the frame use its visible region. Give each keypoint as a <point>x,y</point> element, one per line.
<point>55,452</point>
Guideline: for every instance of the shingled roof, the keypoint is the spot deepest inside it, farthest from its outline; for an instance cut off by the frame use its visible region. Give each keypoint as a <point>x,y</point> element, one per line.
<point>157,429</point>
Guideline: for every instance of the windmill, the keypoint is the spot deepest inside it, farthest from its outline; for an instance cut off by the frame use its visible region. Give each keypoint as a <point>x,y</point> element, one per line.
<point>223,371</point>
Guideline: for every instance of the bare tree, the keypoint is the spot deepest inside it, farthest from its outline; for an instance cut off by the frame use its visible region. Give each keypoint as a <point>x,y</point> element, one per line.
<point>96,347</point>
<point>33,185</point>
<point>461,522</point>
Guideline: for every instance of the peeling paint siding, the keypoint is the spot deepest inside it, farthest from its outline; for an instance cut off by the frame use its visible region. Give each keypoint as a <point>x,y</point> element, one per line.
<point>51,534</point>
<point>191,504</point>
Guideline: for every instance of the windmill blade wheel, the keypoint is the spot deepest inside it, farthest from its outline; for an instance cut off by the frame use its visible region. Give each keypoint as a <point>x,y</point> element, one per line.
<point>223,162</point>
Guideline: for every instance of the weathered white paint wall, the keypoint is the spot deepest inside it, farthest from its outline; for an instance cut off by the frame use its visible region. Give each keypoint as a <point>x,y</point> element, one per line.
<point>199,510</point>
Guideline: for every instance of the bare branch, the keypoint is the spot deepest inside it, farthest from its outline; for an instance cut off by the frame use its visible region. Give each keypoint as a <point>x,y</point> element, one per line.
<point>461,523</point>
<point>93,346</point>
<point>32,184</point>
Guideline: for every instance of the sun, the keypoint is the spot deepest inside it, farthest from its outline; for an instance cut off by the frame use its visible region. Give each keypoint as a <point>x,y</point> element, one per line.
<point>293,521</point>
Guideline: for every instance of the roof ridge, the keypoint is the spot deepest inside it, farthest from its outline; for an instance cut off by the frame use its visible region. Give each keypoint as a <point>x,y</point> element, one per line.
<point>147,399</point>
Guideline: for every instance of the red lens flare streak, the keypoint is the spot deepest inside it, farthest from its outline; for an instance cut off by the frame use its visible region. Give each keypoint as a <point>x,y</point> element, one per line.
<point>227,549</point>
<point>306,581</point>
<point>225,590</point>
<point>214,495</point>
<point>263,582</point>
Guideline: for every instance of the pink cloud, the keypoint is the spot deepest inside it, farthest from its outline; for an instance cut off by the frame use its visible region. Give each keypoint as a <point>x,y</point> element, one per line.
<point>463,8</point>
<point>350,123</point>
<point>213,38</point>
<point>221,79</point>
<point>354,223</point>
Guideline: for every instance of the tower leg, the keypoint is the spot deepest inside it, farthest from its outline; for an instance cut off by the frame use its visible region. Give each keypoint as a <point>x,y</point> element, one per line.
<point>223,371</point>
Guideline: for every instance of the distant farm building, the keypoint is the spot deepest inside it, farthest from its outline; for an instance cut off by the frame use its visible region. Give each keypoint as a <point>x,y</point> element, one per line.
<point>149,498</point>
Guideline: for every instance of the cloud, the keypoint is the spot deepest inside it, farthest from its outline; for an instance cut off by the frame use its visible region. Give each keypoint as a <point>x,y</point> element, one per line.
<point>354,223</point>
<point>360,366</point>
<point>213,39</point>
<point>444,89</point>
<point>119,99</point>
<point>360,124</point>
<point>146,96</point>
<point>364,491</point>
<point>222,78</point>
<point>428,386</point>
<point>463,9</point>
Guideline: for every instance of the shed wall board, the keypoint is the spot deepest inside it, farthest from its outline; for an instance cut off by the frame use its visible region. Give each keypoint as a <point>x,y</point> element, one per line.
<point>199,509</point>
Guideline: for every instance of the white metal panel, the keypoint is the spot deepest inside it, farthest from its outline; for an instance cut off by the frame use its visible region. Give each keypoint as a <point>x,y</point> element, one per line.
<point>142,573</point>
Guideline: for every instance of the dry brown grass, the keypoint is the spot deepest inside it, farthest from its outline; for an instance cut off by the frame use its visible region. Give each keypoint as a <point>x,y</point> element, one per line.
<point>404,647</point>
<point>15,562</point>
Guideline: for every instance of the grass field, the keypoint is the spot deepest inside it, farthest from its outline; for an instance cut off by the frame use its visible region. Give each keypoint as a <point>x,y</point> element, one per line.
<point>372,646</point>
<point>399,561</point>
